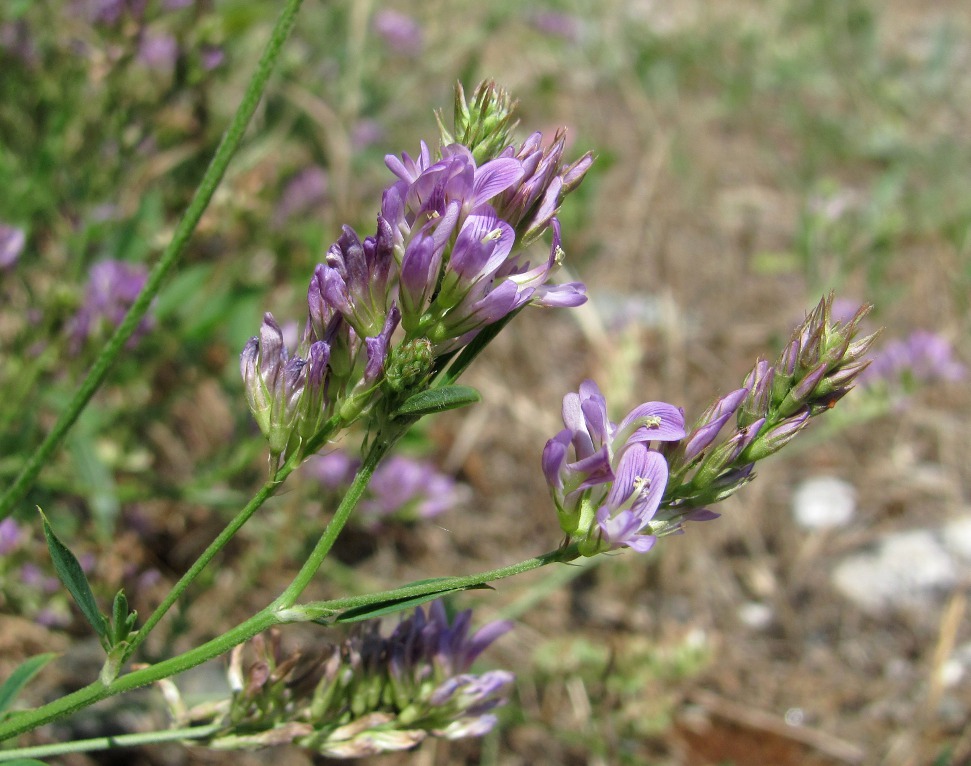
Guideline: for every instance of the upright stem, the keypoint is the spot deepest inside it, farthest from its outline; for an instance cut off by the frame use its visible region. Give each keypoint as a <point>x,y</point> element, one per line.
<point>289,597</point>
<point>186,226</point>
<point>266,491</point>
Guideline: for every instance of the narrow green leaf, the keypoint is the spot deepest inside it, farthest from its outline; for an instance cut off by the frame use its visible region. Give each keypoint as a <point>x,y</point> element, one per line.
<point>21,676</point>
<point>382,608</point>
<point>70,572</point>
<point>25,762</point>
<point>439,400</point>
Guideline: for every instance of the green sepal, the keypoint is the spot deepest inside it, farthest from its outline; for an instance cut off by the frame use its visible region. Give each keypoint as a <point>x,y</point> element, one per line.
<point>122,621</point>
<point>20,677</point>
<point>438,400</point>
<point>390,606</point>
<point>70,573</point>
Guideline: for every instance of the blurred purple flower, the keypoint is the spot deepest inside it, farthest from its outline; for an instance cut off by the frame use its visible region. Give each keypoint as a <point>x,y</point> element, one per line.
<point>406,488</point>
<point>12,241</point>
<point>403,488</point>
<point>158,52</point>
<point>365,133</point>
<point>563,25</point>
<point>303,192</point>
<point>335,470</point>
<point>32,576</point>
<point>15,38</point>
<point>10,536</point>
<point>111,290</point>
<point>108,12</point>
<point>211,56</point>
<point>922,357</point>
<point>400,32</point>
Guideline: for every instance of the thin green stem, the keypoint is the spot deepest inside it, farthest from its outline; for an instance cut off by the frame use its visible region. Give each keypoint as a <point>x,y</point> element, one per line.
<point>266,491</point>
<point>88,695</point>
<point>302,579</point>
<point>327,608</point>
<point>110,743</point>
<point>184,230</point>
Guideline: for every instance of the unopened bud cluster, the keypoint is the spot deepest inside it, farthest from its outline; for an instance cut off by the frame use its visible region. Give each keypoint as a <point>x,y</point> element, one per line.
<point>446,260</point>
<point>626,485</point>
<point>368,695</point>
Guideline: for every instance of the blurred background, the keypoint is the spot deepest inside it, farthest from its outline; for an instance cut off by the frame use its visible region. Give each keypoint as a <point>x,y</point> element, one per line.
<point>751,157</point>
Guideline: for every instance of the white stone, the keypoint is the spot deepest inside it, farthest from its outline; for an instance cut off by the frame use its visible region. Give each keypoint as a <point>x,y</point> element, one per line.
<point>907,569</point>
<point>822,502</point>
<point>957,537</point>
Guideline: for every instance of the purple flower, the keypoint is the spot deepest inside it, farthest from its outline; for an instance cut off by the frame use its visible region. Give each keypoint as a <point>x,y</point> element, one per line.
<point>921,357</point>
<point>275,383</point>
<point>303,192</point>
<point>555,24</point>
<point>449,295</point>
<point>401,33</point>
<point>158,52</point>
<point>369,694</point>
<point>601,475</point>
<point>354,278</point>
<point>334,470</point>
<point>112,288</point>
<point>12,241</point>
<point>401,487</point>
<point>10,536</point>
<point>211,56</point>
<point>633,500</point>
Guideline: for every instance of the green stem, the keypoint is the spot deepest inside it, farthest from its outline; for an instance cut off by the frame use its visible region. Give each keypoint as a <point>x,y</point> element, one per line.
<point>378,450</point>
<point>277,613</point>
<point>109,743</point>
<point>186,226</point>
<point>327,608</point>
<point>266,491</point>
<point>88,695</point>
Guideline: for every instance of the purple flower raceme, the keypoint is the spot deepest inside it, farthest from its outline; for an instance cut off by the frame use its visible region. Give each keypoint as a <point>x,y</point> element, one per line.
<point>368,695</point>
<point>622,486</point>
<point>443,264</point>
<point>111,290</point>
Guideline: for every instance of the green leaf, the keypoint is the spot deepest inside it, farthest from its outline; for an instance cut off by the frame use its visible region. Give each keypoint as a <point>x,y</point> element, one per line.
<point>382,608</point>
<point>438,400</point>
<point>70,572</point>
<point>25,762</point>
<point>21,676</point>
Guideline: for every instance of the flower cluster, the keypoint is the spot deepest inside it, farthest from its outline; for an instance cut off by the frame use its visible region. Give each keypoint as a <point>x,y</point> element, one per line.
<point>401,488</point>
<point>613,486</point>
<point>368,695</point>
<point>620,491</point>
<point>446,260</point>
